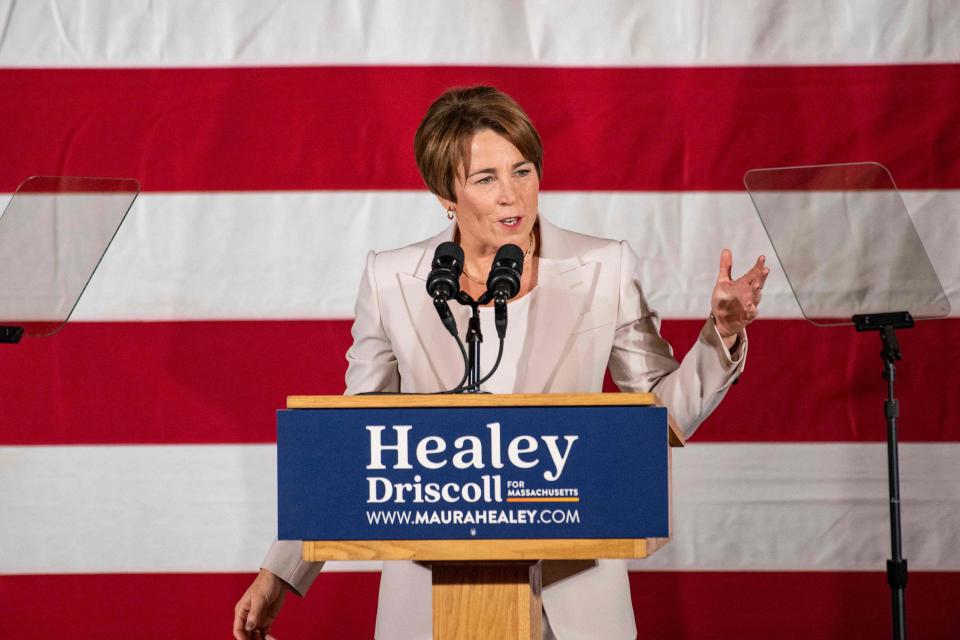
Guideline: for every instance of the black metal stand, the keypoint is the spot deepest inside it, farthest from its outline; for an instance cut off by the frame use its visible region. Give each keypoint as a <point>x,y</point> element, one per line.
<point>475,336</point>
<point>886,323</point>
<point>474,340</point>
<point>10,335</point>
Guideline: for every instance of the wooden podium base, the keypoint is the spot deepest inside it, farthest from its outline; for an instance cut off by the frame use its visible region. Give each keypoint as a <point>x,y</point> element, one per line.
<point>486,600</point>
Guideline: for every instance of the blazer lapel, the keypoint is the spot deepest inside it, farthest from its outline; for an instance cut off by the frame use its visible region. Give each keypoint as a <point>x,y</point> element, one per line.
<point>436,344</point>
<point>564,291</point>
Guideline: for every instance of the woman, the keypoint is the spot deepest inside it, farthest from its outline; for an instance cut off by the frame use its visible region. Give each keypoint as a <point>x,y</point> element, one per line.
<point>580,311</point>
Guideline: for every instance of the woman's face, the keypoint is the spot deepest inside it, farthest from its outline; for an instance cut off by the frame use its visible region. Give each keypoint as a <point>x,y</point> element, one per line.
<point>497,198</point>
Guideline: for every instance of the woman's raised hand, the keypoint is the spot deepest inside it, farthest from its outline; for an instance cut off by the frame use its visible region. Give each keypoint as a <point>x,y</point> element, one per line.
<point>734,302</point>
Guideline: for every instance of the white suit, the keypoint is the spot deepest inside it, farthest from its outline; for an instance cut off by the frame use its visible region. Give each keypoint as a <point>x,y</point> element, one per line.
<point>589,314</point>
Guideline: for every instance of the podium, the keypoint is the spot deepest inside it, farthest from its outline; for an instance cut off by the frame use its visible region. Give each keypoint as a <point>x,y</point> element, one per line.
<point>489,491</point>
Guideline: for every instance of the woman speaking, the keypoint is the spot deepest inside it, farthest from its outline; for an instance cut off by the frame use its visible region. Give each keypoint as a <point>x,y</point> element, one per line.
<point>580,310</point>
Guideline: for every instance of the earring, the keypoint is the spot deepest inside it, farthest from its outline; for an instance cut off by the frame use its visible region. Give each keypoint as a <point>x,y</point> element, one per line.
<point>451,212</point>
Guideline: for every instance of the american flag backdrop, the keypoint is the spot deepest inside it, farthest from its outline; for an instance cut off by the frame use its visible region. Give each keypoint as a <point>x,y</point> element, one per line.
<point>273,142</point>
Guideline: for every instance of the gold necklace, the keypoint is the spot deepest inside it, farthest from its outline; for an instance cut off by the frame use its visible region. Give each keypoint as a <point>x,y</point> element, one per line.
<point>530,249</point>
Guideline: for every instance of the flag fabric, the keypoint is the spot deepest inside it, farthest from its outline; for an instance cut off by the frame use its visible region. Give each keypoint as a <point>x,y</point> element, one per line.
<point>273,143</point>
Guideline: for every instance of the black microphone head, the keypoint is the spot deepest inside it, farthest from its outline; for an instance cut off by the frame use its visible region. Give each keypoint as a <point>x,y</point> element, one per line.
<point>447,265</point>
<point>504,278</point>
<point>448,250</point>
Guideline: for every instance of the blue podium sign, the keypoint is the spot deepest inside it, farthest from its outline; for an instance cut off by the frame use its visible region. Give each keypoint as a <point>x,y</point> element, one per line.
<point>504,472</point>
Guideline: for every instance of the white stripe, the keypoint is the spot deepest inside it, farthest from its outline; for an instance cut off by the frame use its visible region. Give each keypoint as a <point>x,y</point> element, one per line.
<point>116,509</point>
<point>128,33</point>
<point>817,507</point>
<point>288,255</point>
<point>741,506</point>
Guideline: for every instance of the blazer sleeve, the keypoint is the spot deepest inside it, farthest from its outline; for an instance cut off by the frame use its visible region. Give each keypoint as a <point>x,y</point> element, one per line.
<point>641,360</point>
<point>371,366</point>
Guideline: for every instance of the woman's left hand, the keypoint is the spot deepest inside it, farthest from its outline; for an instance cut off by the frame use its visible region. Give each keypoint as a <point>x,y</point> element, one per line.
<point>734,302</point>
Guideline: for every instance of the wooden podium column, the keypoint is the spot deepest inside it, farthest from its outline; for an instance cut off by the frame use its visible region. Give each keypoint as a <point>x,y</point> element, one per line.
<point>479,600</point>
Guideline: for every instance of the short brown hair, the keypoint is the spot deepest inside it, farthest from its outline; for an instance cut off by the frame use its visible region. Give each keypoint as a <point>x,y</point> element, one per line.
<point>440,145</point>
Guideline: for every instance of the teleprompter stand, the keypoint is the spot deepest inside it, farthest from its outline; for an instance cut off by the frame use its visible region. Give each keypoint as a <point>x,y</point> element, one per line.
<point>886,324</point>
<point>10,335</point>
<point>852,255</point>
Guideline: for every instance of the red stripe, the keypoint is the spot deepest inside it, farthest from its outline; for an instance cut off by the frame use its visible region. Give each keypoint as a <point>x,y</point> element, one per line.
<point>209,382</point>
<point>352,127</point>
<point>173,382</point>
<point>808,384</point>
<point>790,605</point>
<point>182,606</point>
<point>343,605</point>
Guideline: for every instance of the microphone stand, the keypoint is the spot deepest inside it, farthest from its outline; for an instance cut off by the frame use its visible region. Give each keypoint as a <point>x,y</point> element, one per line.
<point>474,338</point>
<point>886,323</point>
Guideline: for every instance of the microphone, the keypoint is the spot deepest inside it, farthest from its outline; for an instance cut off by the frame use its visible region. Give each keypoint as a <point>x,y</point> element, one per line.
<point>503,283</point>
<point>443,283</point>
<point>504,278</point>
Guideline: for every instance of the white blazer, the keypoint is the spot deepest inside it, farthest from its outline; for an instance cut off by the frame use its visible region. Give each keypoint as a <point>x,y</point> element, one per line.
<point>589,314</point>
